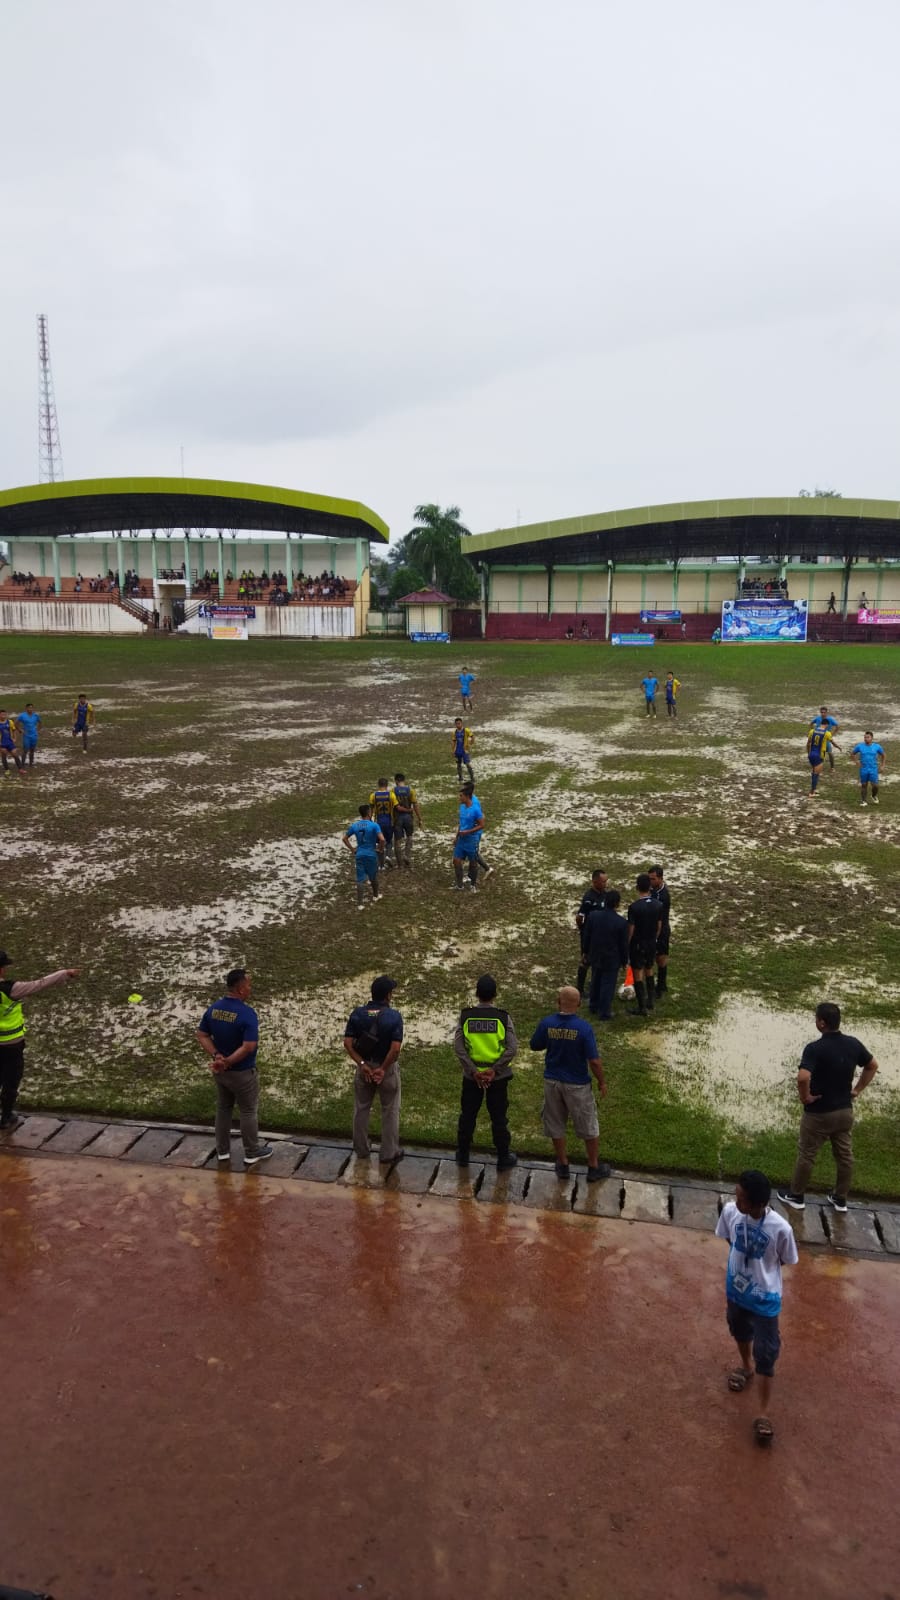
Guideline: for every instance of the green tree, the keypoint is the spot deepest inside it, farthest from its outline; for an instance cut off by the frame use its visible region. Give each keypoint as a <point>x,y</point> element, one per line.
<point>435,546</point>
<point>820,494</point>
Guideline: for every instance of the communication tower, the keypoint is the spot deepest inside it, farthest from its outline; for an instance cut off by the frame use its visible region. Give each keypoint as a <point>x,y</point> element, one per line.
<point>49,451</point>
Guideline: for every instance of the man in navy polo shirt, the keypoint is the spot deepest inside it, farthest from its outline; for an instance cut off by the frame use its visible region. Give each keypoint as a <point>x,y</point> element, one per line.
<point>229,1034</point>
<point>571,1057</point>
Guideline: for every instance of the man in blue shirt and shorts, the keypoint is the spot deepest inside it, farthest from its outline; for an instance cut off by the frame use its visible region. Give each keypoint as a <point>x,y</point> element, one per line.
<point>229,1035</point>
<point>468,839</point>
<point>369,842</point>
<point>650,686</point>
<point>28,722</point>
<point>466,680</point>
<point>571,1057</point>
<point>869,757</point>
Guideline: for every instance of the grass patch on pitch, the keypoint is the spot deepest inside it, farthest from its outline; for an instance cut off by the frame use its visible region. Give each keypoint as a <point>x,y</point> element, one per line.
<point>203,829</point>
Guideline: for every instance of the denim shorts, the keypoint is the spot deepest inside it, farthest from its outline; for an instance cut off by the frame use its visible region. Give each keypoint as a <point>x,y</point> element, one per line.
<point>748,1327</point>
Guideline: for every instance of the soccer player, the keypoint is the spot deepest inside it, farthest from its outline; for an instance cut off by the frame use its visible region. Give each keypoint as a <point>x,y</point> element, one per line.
<point>468,838</point>
<point>824,720</point>
<point>650,686</point>
<point>869,757</point>
<point>659,892</point>
<point>369,843</point>
<point>474,801</point>
<point>8,745</point>
<point>761,1242</point>
<point>381,803</point>
<point>673,685</point>
<point>27,723</point>
<point>818,743</point>
<point>406,807</point>
<point>593,899</point>
<point>644,925</point>
<point>466,680</point>
<point>463,740</point>
<point>82,719</point>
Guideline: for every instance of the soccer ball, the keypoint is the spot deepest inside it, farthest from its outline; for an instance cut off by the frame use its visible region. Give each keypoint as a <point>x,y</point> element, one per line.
<point>626,991</point>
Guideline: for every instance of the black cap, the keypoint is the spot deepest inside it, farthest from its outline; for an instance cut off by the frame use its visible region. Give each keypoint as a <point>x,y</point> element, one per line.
<point>382,987</point>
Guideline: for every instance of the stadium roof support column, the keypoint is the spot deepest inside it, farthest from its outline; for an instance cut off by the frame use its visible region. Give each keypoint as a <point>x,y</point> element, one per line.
<point>549,588</point>
<point>845,588</point>
<point>483,576</point>
<point>610,569</point>
<point>187,563</point>
<point>288,565</point>
<point>120,549</point>
<point>360,559</point>
<point>55,553</point>
<point>154,563</point>
<point>220,568</point>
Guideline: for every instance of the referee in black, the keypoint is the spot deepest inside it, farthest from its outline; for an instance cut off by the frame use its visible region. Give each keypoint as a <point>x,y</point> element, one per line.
<point>644,924</point>
<point>593,899</point>
<point>659,892</point>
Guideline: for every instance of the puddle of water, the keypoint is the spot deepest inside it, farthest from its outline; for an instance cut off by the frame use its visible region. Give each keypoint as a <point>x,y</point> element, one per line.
<point>743,1064</point>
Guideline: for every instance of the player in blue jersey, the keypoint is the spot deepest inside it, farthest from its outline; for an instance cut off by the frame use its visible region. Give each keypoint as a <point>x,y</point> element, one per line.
<point>825,720</point>
<point>466,680</point>
<point>650,686</point>
<point>869,757</point>
<point>28,722</point>
<point>8,745</point>
<point>468,790</point>
<point>463,740</point>
<point>82,719</point>
<point>369,841</point>
<point>467,843</point>
<point>818,743</point>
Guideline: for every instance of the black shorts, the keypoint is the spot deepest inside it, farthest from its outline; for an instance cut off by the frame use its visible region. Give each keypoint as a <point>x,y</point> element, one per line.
<point>641,956</point>
<point>748,1327</point>
<point>662,943</point>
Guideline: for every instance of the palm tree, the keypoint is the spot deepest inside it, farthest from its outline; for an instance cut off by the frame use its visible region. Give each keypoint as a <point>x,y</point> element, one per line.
<point>434,543</point>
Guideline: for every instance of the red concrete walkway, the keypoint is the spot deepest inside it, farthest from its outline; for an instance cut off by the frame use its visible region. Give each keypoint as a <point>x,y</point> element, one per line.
<point>299,1392</point>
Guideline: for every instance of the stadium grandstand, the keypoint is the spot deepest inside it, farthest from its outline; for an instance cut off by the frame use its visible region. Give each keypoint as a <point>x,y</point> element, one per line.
<point>594,576</point>
<point>120,555</point>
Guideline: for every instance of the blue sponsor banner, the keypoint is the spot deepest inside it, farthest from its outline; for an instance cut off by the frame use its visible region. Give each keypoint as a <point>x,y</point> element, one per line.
<point>430,638</point>
<point>214,610</point>
<point>764,621</point>
<point>660,616</point>
<point>633,638</point>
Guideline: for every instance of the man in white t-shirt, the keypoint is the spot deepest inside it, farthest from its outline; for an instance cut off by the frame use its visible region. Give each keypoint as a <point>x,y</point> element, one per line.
<point>761,1243</point>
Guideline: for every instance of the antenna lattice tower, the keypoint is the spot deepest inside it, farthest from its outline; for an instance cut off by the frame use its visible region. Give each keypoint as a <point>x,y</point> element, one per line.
<point>49,450</point>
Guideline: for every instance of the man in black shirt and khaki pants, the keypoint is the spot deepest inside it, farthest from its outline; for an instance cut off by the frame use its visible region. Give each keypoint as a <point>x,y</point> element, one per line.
<point>825,1085</point>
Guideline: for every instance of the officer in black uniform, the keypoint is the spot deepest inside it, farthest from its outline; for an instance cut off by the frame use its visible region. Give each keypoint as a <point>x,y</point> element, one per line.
<point>659,891</point>
<point>593,899</point>
<point>644,924</point>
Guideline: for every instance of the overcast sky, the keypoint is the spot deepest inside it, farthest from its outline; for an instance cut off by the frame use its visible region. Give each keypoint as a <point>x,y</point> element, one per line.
<point>535,259</point>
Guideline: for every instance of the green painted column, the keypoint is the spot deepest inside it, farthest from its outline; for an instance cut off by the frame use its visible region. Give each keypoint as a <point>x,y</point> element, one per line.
<point>332,565</point>
<point>42,559</point>
<point>154,562</point>
<point>550,591</point>
<point>105,550</point>
<point>706,591</point>
<point>484,579</point>
<point>579,591</point>
<point>519,583</point>
<point>55,553</point>
<point>288,564</point>
<point>360,560</point>
<point>72,558</point>
<point>643,591</point>
<point>221,565</point>
<point>267,557</point>
<point>187,565</point>
<point>610,570</point>
<point>120,550</point>
<point>675,576</point>
<point>878,587</point>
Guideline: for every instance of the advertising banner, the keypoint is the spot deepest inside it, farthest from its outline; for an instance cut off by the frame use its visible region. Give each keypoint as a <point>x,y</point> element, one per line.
<point>764,621</point>
<point>228,622</point>
<point>430,638</point>
<point>660,616</point>
<point>883,617</point>
<point>633,638</point>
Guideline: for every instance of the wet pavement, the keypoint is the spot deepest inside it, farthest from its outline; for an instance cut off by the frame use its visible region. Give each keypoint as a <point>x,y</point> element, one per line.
<point>215,1386</point>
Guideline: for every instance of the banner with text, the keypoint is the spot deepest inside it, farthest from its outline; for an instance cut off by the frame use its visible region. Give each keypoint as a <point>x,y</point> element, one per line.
<point>882,617</point>
<point>764,621</point>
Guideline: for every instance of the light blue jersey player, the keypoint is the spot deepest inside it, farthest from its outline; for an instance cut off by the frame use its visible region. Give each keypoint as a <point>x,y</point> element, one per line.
<point>369,841</point>
<point>467,843</point>
<point>466,680</point>
<point>650,686</point>
<point>826,720</point>
<point>28,722</point>
<point>869,757</point>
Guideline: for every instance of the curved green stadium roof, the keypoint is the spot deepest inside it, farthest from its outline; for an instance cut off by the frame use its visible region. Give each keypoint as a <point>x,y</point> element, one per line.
<point>798,526</point>
<point>101,505</point>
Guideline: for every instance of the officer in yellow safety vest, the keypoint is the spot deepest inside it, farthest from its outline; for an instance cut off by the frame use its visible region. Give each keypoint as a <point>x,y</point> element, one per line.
<point>12,1034</point>
<point>485,1043</point>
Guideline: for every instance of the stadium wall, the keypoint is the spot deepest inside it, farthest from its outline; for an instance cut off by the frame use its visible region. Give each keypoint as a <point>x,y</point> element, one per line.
<point>91,557</point>
<point>55,616</point>
<point>559,591</point>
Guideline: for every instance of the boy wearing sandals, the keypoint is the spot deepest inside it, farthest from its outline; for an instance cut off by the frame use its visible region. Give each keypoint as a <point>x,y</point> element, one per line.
<point>762,1242</point>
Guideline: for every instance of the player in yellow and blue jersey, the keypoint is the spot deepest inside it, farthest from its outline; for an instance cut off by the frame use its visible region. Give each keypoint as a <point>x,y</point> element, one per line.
<point>818,744</point>
<point>382,801</point>
<point>8,745</point>
<point>82,719</point>
<point>826,720</point>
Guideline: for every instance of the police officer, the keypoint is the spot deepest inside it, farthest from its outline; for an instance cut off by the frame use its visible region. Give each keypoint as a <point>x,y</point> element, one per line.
<point>593,899</point>
<point>485,1043</point>
<point>12,1034</point>
<point>373,1039</point>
